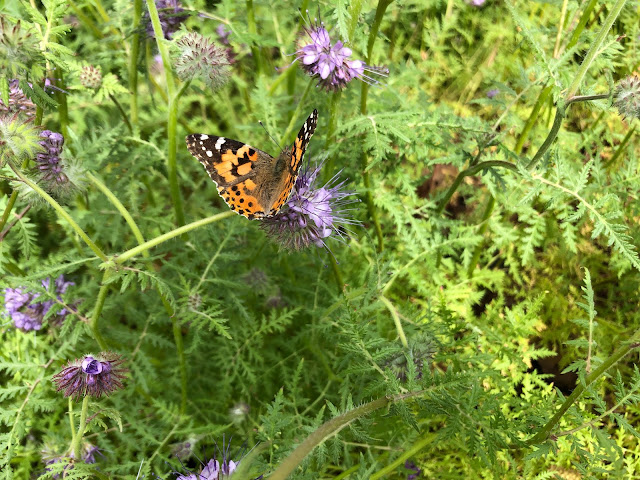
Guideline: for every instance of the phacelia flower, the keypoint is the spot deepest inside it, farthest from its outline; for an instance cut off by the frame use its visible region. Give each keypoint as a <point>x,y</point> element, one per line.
<point>476,3</point>
<point>409,465</point>
<point>312,214</point>
<point>223,37</point>
<point>332,62</point>
<point>627,97</point>
<point>201,58</point>
<point>28,309</point>
<point>493,93</point>
<point>171,16</point>
<point>94,376</point>
<point>91,77</point>
<point>214,469</point>
<point>89,453</point>
<point>18,102</point>
<point>48,161</point>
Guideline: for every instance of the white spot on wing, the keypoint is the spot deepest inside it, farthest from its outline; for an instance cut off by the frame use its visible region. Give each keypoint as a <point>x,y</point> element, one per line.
<point>204,137</point>
<point>219,143</point>
<point>209,153</point>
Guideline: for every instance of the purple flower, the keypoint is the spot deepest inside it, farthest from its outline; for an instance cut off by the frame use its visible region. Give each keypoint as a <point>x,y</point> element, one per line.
<point>171,17</point>
<point>214,469</point>
<point>493,93</point>
<point>92,376</point>
<point>223,34</point>
<point>27,313</point>
<point>88,456</point>
<point>332,63</point>
<point>409,465</point>
<point>48,160</point>
<point>311,214</point>
<point>18,101</point>
<point>476,3</point>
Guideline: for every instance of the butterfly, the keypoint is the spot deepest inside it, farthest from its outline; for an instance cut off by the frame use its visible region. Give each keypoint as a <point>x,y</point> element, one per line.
<point>253,183</point>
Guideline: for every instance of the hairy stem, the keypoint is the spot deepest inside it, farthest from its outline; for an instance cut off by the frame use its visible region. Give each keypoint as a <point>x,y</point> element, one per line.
<point>169,235</point>
<point>294,118</point>
<point>468,172</point>
<point>133,61</point>
<point>177,333</point>
<point>545,432</point>
<point>366,176</point>
<point>62,212</point>
<point>172,121</point>
<point>595,47</point>
<point>251,25</point>
<point>396,320</point>
<point>97,311</point>
<point>77,441</point>
<point>8,208</point>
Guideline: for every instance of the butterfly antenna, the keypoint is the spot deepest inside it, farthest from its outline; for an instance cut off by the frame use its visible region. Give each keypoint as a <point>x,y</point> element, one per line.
<point>273,139</point>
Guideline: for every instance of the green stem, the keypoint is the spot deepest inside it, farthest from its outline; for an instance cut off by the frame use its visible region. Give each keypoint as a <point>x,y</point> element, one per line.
<point>472,171</point>
<point>8,208</point>
<point>595,47</point>
<point>61,98</point>
<point>542,98</point>
<point>122,112</point>
<point>553,133</point>
<point>61,211</point>
<point>396,321</point>
<point>169,309</point>
<point>336,273</point>
<point>587,98</point>
<point>71,422</point>
<point>76,447</point>
<point>120,259</point>
<point>177,337</point>
<point>97,310</point>
<point>621,147</point>
<point>328,429</point>
<point>119,206</point>
<point>481,231</point>
<point>414,450</point>
<point>575,35</point>
<point>293,123</point>
<point>545,433</point>
<point>334,101</point>
<point>251,25</point>
<point>364,159</point>
<point>172,121</point>
<point>133,61</point>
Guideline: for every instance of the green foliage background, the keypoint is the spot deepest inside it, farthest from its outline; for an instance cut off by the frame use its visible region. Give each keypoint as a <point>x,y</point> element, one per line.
<point>522,274</point>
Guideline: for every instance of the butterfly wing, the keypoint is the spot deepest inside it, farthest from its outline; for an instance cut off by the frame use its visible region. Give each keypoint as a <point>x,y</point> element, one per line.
<point>232,165</point>
<point>295,157</point>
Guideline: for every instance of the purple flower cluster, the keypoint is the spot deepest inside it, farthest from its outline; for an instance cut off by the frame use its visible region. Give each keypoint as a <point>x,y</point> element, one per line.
<point>48,161</point>
<point>332,63</point>
<point>312,214</point>
<point>26,311</point>
<point>18,102</point>
<point>409,465</point>
<point>171,17</point>
<point>214,469</point>
<point>89,453</point>
<point>92,376</point>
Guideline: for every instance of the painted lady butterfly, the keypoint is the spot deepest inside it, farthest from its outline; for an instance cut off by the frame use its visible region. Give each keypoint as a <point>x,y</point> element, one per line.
<point>250,181</point>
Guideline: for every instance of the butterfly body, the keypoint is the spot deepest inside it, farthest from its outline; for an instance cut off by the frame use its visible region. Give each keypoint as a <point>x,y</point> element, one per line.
<point>252,182</point>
